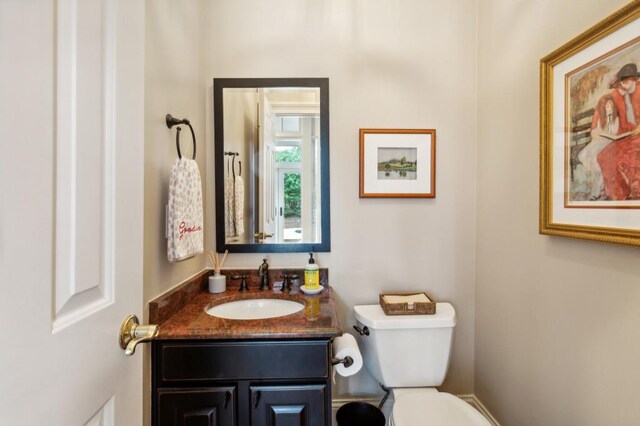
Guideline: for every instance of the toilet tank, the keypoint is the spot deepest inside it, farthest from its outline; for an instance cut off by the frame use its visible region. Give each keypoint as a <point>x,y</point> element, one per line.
<point>406,350</point>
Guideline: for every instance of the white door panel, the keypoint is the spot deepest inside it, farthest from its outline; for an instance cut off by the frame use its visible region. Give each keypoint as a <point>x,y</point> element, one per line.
<point>71,184</point>
<point>267,154</point>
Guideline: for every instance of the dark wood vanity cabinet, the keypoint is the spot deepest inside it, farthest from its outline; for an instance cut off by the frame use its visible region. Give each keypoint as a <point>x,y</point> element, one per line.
<point>241,382</point>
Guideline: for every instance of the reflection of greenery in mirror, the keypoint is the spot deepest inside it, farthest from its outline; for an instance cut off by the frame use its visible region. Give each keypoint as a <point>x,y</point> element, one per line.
<point>292,207</point>
<point>292,194</point>
<point>288,154</point>
<point>278,130</point>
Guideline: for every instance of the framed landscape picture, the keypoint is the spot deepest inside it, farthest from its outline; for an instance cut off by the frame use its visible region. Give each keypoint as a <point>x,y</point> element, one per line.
<point>398,163</point>
<point>590,133</point>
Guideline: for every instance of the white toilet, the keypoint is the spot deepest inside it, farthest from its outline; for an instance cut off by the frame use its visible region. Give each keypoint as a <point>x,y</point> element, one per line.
<point>410,354</point>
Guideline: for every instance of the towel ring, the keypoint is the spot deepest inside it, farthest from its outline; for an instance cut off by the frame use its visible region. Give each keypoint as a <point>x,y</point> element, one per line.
<point>172,121</point>
<point>193,136</point>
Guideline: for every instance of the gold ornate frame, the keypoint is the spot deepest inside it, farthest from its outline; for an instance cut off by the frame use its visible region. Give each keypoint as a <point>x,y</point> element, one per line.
<point>547,225</point>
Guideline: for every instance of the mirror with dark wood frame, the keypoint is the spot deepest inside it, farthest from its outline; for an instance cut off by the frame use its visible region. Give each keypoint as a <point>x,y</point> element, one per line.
<point>272,164</point>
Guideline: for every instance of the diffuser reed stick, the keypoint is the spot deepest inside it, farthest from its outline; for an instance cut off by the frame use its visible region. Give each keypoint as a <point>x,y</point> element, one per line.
<point>212,259</point>
<point>216,262</point>
<point>226,252</point>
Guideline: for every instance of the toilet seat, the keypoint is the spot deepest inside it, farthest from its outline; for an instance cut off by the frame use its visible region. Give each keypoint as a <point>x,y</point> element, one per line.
<point>437,409</point>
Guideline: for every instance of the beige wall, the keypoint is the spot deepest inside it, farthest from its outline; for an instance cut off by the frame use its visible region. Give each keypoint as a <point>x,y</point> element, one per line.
<point>557,320</point>
<point>390,65</point>
<point>173,85</point>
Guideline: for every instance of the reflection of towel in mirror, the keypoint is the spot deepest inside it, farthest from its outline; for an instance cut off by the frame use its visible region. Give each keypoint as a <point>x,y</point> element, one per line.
<point>229,229</point>
<point>234,207</point>
<point>185,211</point>
<point>238,205</point>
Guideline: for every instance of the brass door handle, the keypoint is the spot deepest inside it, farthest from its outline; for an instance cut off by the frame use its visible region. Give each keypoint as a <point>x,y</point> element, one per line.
<point>262,235</point>
<point>132,333</point>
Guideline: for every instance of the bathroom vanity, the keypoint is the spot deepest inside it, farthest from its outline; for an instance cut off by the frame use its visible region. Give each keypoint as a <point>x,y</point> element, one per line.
<point>208,370</point>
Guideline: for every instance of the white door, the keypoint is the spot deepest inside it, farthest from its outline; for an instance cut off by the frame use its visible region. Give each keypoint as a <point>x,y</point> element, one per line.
<point>71,210</point>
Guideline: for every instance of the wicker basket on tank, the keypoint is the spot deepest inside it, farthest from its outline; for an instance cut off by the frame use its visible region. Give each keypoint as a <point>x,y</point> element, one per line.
<point>428,307</point>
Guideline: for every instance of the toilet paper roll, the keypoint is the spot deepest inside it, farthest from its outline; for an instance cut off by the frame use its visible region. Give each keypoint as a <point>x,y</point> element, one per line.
<point>344,346</point>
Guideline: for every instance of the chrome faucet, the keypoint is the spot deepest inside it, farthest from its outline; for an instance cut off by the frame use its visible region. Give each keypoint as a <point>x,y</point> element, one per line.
<point>263,272</point>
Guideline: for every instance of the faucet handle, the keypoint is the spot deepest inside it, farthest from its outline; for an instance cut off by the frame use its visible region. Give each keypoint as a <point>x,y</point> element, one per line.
<point>286,281</point>
<point>243,284</point>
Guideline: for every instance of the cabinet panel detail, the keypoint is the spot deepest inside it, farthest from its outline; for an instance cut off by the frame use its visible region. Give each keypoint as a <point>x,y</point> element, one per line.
<point>196,407</point>
<point>288,405</point>
<point>243,360</point>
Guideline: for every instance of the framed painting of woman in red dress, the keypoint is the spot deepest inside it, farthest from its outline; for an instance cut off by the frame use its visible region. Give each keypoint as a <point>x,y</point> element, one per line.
<point>590,133</point>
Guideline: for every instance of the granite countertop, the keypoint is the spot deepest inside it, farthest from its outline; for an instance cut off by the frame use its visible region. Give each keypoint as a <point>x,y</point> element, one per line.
<point>181,314</point>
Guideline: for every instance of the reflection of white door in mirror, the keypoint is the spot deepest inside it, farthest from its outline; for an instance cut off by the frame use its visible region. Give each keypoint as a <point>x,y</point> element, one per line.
<point>287,151</point>
<point>266,148</point>
<point>297,188</point>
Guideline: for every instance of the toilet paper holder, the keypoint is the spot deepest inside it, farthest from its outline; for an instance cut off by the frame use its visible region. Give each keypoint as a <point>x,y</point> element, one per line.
<point>347,361</point>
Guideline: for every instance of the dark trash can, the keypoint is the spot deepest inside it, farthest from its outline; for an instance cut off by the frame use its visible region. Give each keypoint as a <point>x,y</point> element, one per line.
<point>359,414</point>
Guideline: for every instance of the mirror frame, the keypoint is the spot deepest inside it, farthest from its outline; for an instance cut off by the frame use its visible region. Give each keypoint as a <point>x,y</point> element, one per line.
<point>219,84</point>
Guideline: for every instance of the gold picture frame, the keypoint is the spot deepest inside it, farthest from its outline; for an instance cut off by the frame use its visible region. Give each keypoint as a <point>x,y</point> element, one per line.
<point>397,163</point>
<point>589,137</point>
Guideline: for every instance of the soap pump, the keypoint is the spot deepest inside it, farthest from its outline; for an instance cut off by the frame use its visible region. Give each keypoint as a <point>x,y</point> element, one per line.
<point>311,274</point>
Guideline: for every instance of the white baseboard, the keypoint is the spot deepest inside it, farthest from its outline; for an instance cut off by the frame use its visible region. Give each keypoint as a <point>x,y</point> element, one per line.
<point>386,409</point>
<point>371,399</point>
<point>475,403</point>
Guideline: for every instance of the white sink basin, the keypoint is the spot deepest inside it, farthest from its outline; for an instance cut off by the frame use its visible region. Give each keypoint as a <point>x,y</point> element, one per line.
<point>255,309</point>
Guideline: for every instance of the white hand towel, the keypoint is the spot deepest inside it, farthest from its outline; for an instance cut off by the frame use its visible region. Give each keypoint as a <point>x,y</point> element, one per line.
<point>185,211</point>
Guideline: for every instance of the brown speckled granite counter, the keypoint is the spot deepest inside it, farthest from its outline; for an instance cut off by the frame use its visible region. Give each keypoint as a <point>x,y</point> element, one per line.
<point>181,314</point>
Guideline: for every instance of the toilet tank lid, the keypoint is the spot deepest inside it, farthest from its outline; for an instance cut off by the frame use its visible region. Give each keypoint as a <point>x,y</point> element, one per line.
<point>374,317</point>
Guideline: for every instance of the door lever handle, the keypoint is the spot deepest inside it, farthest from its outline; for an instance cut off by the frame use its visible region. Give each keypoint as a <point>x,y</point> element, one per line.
<point>262,235</point>
<point>132,333</point>
<point>259,236</point>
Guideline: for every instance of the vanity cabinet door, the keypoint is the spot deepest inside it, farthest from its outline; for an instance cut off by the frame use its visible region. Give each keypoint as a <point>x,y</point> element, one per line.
<point>302,405</point>
<point>196,407</point>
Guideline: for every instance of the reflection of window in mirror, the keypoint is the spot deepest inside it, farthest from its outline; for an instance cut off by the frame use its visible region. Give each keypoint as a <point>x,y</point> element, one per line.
<point>296,187</point>
<point>287,124</point>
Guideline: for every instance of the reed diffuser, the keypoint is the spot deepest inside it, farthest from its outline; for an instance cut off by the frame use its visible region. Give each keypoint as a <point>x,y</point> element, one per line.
<point>217,282</point>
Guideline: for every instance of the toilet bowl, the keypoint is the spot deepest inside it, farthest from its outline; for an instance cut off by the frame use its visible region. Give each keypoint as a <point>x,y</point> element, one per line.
<point>429,407</point>
<point>410,354</point>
